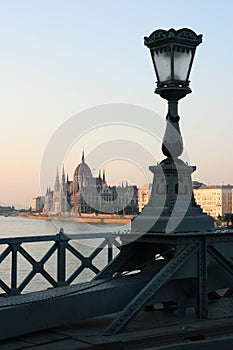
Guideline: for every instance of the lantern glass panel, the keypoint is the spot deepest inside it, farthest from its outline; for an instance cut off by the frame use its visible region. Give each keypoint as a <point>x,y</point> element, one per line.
<point>162,62</point>
<point>182,60</point>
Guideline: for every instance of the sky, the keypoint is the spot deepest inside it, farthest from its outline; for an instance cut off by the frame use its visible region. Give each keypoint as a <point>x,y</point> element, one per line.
<point>61,58</point>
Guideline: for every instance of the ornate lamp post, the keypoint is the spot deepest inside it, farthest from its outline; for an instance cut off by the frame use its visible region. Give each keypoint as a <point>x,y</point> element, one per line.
<point>172,207</point>
<point>172,54</point>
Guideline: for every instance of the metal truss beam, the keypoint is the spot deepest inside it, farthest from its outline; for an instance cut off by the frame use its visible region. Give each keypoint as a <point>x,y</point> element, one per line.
<point>202,298</point>
<point>226,263</point>
<point>151,288</point>
<point>117,264</point>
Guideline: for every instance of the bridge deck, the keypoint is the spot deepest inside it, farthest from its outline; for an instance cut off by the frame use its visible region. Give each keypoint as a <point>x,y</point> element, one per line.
<point>148,330</point>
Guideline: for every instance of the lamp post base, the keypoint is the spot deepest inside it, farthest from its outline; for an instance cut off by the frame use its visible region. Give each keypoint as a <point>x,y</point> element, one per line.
<point>193,221</point>
<point>172,207</point>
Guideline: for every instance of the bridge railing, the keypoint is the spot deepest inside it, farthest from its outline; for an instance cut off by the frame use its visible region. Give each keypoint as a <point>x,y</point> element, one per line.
<point>15,249</point>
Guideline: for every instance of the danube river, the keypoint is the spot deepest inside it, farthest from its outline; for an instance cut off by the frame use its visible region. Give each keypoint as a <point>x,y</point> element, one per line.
<point>22,227</point>
<point>17,226</point>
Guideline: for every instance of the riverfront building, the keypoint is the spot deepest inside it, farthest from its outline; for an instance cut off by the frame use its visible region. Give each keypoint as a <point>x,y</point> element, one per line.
<point>144,193</point>
<point>88,194</point>
<point>37,203</point>
<point>215,200</point>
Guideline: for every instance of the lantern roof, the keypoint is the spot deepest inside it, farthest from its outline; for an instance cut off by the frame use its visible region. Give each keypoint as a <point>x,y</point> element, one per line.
<point>185,37</point>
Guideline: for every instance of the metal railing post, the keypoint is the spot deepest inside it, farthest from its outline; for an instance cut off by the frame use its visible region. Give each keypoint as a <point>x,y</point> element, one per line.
<point>14,249</point>
<point>110,250</point>
<point>61,258</point>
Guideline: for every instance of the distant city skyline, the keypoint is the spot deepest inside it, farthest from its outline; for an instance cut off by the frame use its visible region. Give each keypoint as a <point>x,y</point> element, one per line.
<point>60,58</point>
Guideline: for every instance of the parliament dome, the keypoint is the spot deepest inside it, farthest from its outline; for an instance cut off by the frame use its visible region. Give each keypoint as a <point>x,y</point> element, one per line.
<point>82,174</point>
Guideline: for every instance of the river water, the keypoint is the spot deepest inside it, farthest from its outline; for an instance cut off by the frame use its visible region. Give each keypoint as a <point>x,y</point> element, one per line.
<point>17,226</point>
<point>22,227</point>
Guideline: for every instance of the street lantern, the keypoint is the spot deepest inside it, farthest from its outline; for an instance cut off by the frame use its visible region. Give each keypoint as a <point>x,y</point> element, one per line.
<point>172,206</point>
<point>172,54</point>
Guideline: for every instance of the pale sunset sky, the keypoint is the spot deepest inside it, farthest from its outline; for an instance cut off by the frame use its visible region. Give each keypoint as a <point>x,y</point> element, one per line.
<point>61,57</point>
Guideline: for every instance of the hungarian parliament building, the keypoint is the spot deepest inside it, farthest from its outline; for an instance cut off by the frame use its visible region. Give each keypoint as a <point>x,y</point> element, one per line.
<point>87,194</point>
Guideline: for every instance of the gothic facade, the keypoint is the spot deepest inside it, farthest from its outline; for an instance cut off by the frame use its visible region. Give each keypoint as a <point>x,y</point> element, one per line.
<point>89,194</point>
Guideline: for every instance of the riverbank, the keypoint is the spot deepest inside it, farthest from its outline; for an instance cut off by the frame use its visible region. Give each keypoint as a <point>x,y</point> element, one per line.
<point>87,218</point>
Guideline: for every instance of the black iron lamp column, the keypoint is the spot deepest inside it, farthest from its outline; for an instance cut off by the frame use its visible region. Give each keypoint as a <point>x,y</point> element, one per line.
<point>172,54</point>
<point>172,208</point>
